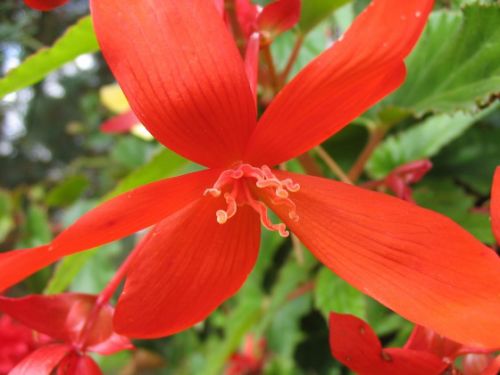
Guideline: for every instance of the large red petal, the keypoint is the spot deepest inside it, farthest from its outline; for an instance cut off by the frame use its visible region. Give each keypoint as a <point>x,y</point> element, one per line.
<point>45,5</point>
<point>182,74</point>
<point>186,267</point>
<point>339,85</point>
<point>42,361</point>
<point>495,205</point>
<point>114,219</point>
<point>354,343</point>
<point>415,261</point>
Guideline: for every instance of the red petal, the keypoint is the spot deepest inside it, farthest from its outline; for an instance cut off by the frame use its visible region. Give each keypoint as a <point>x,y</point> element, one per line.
<point>495,205</point>
<point>114,219</point>
<point>42,361</point>
<point>76,364</point>
<point>493,368</point>
<point>45,5</point>
<point>60,316</point>
<point>355,344</point>
<point>279,17</point>
<point>426,340</point>
<point>186,267</point>
<point>219,5</point>
<point>252,61</point>
<point>114,344</point>
<point>415,261</point>
<point>121,123</point>
<point>339,85</point>
<point>182,74</point>
<point>247,14</point>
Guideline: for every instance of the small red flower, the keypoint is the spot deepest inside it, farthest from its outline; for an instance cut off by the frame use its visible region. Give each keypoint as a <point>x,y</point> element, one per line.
<point>399,181</point>
<point>250,360</point>
<point>354,343</point>
<point>270,21</point>
<point>45,5</point>
<point>185,80</point>
<point>76,327</point>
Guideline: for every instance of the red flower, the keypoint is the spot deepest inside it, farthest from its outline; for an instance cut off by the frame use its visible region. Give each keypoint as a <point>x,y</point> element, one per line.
<point>185,81</point>
<point>399,181</point>
<point>76,326</point>
<point>250,360</point>
<point>45,5</point>
<point>495,205</point>
<point>16,342</point>
<point>354,343</point>
<point>270,21</point>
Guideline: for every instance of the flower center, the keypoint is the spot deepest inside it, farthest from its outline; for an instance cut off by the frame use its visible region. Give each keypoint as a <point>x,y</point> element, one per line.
<point>235,185</point>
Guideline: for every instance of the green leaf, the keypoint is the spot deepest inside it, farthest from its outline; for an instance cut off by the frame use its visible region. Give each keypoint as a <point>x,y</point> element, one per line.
<point>421,141</point>
<point>35,230</point>
<point>67,192</point>
<point>472,159</point>
<point>314,43</point>
<point>455,64</point>
<point>77,40</point>
<point>130,151</point>
<point>315,11</point>
<point>164,164</point>
<point>331,293</point>
<point>451,200</point>
<point>239,321</point>
<point>6,220</point>
<point>67,270</point>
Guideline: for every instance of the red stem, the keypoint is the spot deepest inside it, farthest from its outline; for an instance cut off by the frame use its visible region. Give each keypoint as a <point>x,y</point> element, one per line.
<point>102,299</point>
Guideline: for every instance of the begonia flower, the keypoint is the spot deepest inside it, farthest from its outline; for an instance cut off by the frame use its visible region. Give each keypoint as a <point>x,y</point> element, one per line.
<point>75,326</point>
<point>354,343</point>
<point>185,80</point>
<point>16,342</point>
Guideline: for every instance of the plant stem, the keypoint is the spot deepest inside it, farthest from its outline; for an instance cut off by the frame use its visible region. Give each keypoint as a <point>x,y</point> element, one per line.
<point>310,165</point>
<point>292,59</point>
<point>332,164</point>
<point>376,136</point>
<point>268,58</point>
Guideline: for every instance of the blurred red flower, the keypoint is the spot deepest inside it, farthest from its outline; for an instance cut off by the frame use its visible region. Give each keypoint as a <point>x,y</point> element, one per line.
<point>72,325</point>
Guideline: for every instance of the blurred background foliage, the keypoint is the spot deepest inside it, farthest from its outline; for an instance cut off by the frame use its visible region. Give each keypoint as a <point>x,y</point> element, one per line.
<point>55,164</point>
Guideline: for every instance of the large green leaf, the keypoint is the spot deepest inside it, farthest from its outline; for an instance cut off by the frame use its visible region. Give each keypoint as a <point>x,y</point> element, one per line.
<point>314,11</point>
<point>472,159</point>
<point>67,192</point>
<point>77,40</point>
<point>456,63</point>
<point>446,197</point>
<point>334,294</point>
<point>421,141</point>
